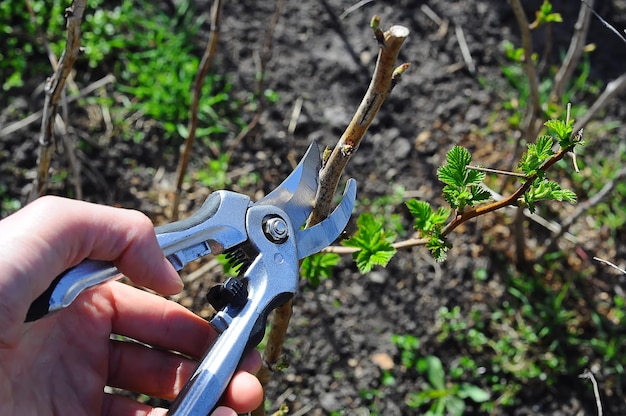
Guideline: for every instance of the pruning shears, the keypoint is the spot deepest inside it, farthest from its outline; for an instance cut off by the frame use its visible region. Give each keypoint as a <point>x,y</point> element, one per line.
<point>265,238</point>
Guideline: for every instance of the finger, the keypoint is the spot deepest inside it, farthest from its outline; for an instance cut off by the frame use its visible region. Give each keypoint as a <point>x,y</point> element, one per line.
<point>137,368</point>
<point>251,362</point>
<point>116,405</point>
<point>52,234</point>
<point>156,321</point>
<point>141,369</point>
<point>223,411</point>
<point>244,393</point>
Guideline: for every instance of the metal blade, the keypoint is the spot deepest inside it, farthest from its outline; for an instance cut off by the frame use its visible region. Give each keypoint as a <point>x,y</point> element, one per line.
<point>296,194</point>
<point>314,239</point>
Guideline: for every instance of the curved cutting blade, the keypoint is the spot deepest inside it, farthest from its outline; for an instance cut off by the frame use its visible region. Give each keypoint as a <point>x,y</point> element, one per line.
<point>296,194</point>
<point>314,239</point>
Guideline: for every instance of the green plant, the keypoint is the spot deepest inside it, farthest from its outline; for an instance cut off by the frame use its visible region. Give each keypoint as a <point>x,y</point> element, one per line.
<point>318,267</point>
<point>373,243</point>
<point>215,174</point>
<point>8,204</point>
<point>444,395</point>
<point>518,93</point>
<point>21,38</point>
<point>153,60</point>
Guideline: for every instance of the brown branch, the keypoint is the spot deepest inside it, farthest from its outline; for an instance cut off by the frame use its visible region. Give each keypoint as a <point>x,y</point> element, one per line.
<point>54,89</point>
<point>586,206</point>
<point>385,77</point>
<point>266,55</point>
<point>531,124</point>
<point>382,82</point>
<point>510,200</point>
<point>198,82</point>
<point>574,52</point>
<point>534,105</point>
<point>612,89</point>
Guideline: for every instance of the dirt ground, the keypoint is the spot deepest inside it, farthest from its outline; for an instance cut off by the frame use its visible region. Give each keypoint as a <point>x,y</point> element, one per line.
<point>340,334</point>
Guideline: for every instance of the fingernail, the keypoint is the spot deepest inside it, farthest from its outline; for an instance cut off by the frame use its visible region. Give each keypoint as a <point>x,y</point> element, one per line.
<point>174,279</point>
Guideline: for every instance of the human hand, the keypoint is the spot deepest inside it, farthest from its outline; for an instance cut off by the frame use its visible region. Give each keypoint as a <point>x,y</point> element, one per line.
<point>61,364</point>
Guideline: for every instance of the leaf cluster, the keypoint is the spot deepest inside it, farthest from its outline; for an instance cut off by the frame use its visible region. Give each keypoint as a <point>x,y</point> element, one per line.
<point>536,155</point>
<point>462,184</point>
<point>318,267</point>
<point>545,15</point>
<point>444,398</point>
<point>373,243</point>
<point>463,189</point>
<point>430,223</point>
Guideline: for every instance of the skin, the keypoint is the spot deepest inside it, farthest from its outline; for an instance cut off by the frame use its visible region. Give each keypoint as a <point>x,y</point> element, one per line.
<point>60,365</point>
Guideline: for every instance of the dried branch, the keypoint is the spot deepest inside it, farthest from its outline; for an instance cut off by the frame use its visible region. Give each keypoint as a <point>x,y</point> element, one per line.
<point>531,124</point>
<point>596,392</point>
<point>612,89</point>
<point>534,104</point>
<point>32,118</point>
<point>608,263</point>
<point>198,82</point>
<point>575,51</point>
<point>266,55</point>
<point>465,52</point>
<point>386,75</point>
<point>54,89</point>
<point>586,206</point>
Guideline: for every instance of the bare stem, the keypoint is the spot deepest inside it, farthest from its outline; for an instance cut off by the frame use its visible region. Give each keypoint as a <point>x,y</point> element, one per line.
<point>378,90</point>
<point>596,392</point>
<point>386,76</point>
<point>531,121</point>
<point>497,171</point>
<point>529,66</point>
<point>574,52</point>
<point>198,82</point>
<point>266,55</point>
<point>54,89</point>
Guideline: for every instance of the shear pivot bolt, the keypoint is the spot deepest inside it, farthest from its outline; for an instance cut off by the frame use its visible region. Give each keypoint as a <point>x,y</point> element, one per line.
<point>276,230</point>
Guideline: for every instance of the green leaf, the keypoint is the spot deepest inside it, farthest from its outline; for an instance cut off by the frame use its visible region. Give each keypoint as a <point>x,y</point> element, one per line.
<point>319,266</point>
<point>374,245</point>
<point>182,130</point>
<point>455,172</point>
<point>564,195</point>
<point>543,148</point>
<point>473,392</point>
<point>440,216</point>
<point>436,375</point>
<point>536,154</point>
<point>427,220</point>
<point>474,177</point>
<point>543,189</point>
<point>454,406</point>
<point>452,195</point>
<point>421,212</point>
<point>438,247</point>
<point>479,195</point>
<point>560,129</point>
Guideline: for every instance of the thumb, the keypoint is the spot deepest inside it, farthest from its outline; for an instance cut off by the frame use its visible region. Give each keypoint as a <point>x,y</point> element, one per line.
<point>52,234</point>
